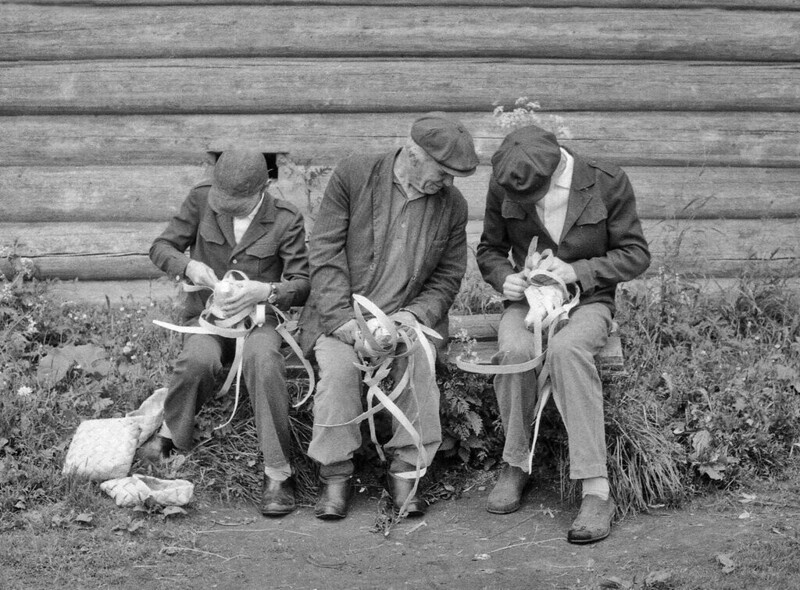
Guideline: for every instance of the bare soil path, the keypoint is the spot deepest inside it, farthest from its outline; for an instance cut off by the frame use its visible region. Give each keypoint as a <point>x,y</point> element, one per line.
<point>728,540</point>
<point>461,546</point>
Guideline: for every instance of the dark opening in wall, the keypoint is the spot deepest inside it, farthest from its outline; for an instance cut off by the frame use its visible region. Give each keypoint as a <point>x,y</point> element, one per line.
<point>271,158</point>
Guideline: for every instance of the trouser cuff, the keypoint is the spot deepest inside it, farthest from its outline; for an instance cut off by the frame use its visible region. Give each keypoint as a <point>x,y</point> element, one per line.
<point>340,469</point>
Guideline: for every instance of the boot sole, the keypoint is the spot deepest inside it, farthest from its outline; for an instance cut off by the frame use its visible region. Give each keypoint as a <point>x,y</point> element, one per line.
<point>503,509</point>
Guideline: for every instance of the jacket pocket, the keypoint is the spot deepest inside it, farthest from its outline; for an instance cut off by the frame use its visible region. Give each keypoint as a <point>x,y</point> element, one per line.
<point>262,249</point>
<point>589,237</point>
<point>264,257</point>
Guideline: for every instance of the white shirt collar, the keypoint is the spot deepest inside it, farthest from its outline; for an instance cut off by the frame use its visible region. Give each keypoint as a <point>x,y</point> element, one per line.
<point>563,179</point>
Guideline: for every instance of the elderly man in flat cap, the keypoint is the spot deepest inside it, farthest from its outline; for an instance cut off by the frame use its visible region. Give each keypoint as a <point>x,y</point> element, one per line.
<point>391,227</point>
<point>585,212</point>
<point>232,222</point>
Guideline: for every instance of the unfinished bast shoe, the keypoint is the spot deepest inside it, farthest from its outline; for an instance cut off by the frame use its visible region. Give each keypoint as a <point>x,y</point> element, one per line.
<point>594,520</point>
<point>507,493</point>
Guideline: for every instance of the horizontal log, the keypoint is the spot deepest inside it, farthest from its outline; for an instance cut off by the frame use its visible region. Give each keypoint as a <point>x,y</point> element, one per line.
<point>626,138</point>
<point>81,32</point>
<point>659,4</point>
<point>146,291</point>
<point>115,293</point>
<point>713,248</point>
<point>261,85</point>
<point>155,193</point>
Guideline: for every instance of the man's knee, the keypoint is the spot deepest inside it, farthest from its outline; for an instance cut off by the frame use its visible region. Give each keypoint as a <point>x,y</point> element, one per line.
<point>198,361</point>
<point>513,353</point>
<point>262,349</point>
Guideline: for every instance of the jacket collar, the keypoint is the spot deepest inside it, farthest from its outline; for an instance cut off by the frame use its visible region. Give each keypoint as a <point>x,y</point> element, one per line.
<point>583,178</point>
<point>258,227</point>
<point>218,228</point>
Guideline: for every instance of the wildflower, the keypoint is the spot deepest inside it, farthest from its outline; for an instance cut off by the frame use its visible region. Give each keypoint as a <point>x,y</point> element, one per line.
<point>24,391</point>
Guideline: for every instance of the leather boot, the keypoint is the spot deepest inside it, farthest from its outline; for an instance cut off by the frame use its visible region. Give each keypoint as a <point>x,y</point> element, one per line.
<point>155,448</point>
<point>507,492</point>
<point>400,488</point>
<point>594,520</point>
<point>277,497</point>
<point>334,498</point>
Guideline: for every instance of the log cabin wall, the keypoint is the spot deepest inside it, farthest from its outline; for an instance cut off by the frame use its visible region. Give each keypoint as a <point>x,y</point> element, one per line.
<point>111,110</point>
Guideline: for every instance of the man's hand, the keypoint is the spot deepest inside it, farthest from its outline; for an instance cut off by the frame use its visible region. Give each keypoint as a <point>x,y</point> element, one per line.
<point>514,286</point>
<point>346,332</point>
<point>562,270</point>
<point>404,317</point>
<point>245,295</point>
<point>200,274</point>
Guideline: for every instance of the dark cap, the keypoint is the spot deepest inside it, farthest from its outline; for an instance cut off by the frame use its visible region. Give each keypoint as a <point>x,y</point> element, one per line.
<point>526,160</point>
<point>238,174</point>
<point>447,141</point>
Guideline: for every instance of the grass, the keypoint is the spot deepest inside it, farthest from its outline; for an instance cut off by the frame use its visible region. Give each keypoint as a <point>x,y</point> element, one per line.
<point>710,398</point>
<point>711,401</point>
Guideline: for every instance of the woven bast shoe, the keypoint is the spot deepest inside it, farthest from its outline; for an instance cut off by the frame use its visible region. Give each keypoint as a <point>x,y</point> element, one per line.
<point>594,520</point>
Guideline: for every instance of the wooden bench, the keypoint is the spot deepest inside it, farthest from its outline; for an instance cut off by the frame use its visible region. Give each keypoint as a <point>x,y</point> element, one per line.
<point>477,334</point>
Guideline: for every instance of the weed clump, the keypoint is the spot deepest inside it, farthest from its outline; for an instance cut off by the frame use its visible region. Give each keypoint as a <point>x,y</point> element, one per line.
<point>711,396</point>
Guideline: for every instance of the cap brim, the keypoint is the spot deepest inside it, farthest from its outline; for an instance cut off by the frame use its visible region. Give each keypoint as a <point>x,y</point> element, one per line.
<point>454,172</point>
<point>531,196</point>
<point>217,198</point>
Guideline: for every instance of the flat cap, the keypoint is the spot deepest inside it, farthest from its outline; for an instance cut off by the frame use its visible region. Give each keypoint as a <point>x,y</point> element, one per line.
<point>526,160</point>
<point>447,141</point>
<point>238,174</point>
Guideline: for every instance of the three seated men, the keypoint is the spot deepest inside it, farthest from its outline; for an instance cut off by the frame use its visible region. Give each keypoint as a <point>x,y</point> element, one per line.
<point>392,228</point>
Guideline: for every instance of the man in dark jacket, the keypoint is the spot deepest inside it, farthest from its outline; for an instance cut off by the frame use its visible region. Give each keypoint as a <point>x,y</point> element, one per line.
<point>585,212</point>
<point>391,227</point>
<point>232,223</point>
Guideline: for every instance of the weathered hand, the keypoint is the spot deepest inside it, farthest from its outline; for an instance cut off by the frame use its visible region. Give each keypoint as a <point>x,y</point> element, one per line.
<point>200,274</point>
<point>562,270</point>
<point>245,295</point>
<point>346,332</point>
<point>404,317</point>
<point>514,286</point>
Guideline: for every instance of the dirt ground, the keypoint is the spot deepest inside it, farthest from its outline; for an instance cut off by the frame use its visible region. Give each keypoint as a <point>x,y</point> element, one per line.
<point>460,545</point>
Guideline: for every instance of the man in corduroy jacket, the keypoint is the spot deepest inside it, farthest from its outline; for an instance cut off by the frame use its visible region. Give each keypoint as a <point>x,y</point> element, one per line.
<point>392,228</point>
<point>585,212</point>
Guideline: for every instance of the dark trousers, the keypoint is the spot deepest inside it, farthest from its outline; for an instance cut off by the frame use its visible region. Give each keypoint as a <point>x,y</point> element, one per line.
<point>194,382</point>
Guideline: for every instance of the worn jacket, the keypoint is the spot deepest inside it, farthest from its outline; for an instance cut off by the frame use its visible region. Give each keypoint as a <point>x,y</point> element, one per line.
<point>348,241</point>
<point>602,237</point>
<point>273,250</point>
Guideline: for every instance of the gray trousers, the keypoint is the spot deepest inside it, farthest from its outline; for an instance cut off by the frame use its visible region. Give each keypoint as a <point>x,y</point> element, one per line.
<point>577,389</point>
<point>339,399</point>
<point>194,382</point>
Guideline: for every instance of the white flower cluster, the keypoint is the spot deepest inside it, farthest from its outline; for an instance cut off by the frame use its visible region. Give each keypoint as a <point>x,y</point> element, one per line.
<point>524,113</point>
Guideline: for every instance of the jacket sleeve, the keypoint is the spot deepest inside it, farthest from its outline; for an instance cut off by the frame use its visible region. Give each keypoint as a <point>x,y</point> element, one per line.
<point>440,288</point>
<point>494,247</point>
<point>295,283</point>
<point>330,273</point>
<point>627,255</point>
<point>168,249</point>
